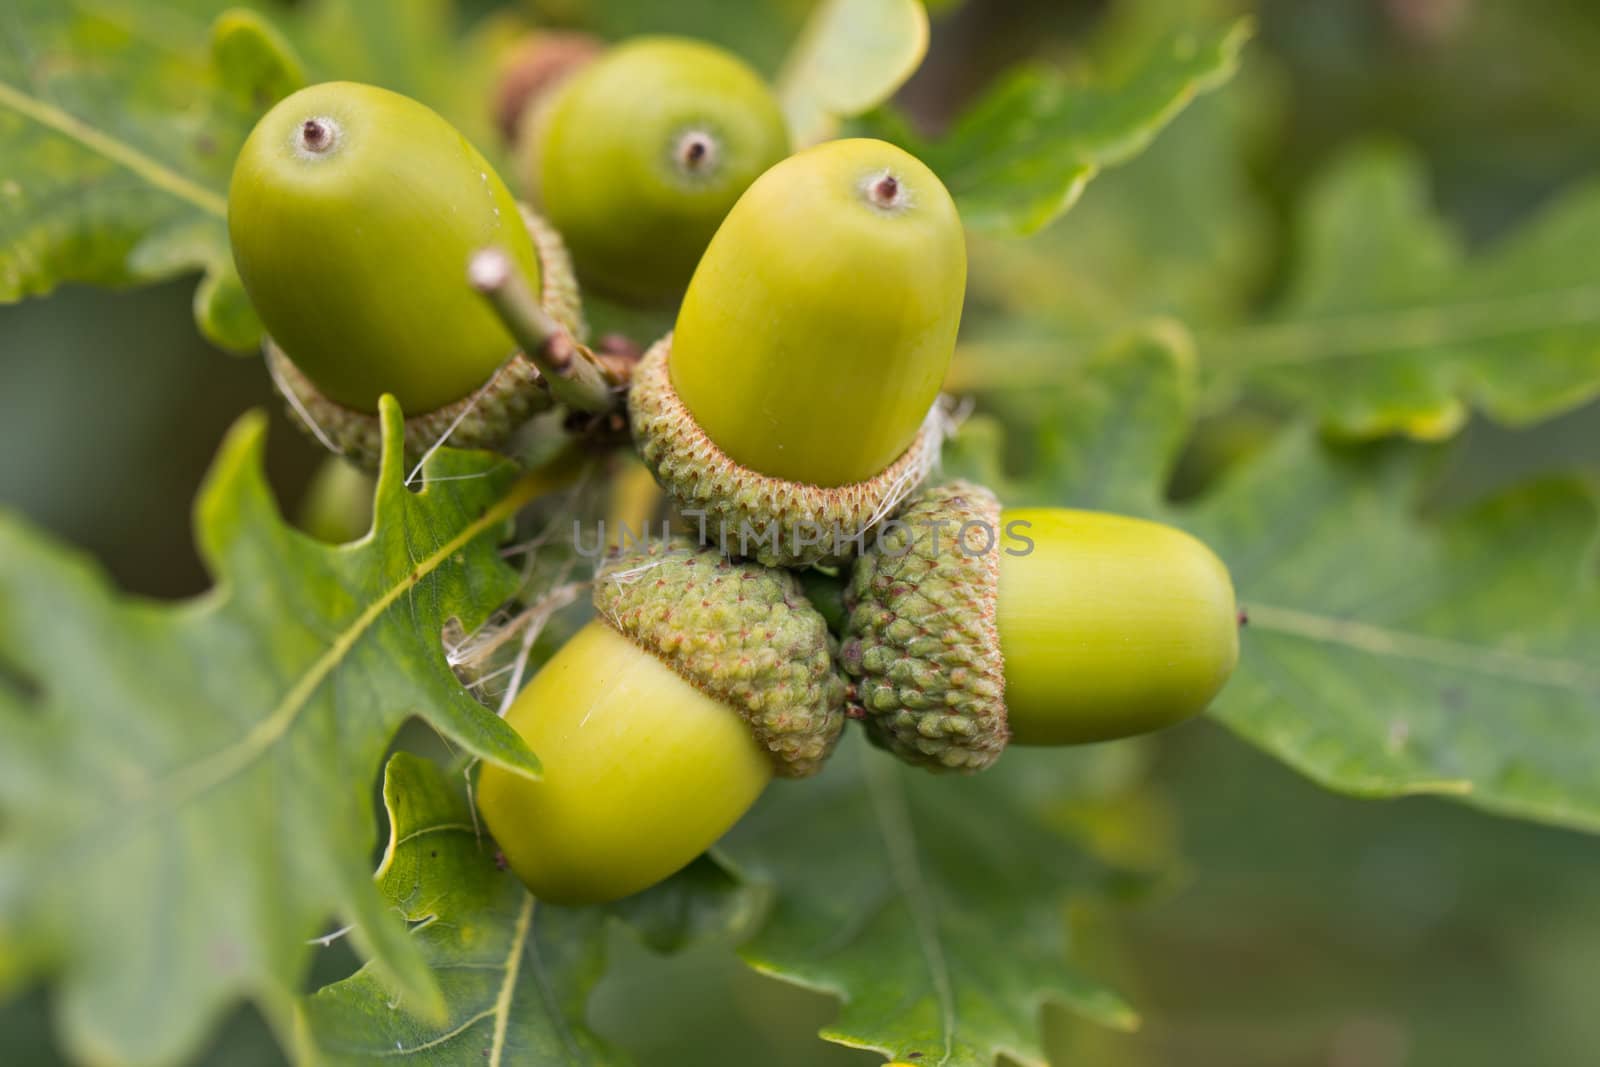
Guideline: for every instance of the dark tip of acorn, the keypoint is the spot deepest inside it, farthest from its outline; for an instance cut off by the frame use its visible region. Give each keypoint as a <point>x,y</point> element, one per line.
<point>317,135</point>
<point>885,192</point>
<point>697,150</point>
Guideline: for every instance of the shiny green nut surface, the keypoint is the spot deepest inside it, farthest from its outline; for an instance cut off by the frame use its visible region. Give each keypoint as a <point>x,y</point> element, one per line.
<point>642,773</point>
<point>1109,626</point>
<point>353,212</point>
<point>639,157</point>
<point>819,326</point>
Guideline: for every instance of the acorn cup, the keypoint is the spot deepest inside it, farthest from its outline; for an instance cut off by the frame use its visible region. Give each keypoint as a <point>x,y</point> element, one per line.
<point>792,408</point>
<point>661,722</point>
<point>637,157</point>
<point>532,69</point>
<point>353,212</point>
<point>971,626</point>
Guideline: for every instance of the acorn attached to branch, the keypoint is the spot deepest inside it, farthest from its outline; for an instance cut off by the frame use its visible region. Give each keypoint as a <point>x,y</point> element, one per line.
<point>662,721</point>
<point>792,408</point>
<point>352,213</point>
<point>971,627</point>
<point>637,157</point>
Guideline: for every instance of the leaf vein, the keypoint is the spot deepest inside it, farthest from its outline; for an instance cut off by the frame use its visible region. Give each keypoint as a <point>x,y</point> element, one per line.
<point>437,828</point>
<point>151,170</point>
<point>502,1000</point>
<point>553,1007</point>
<point>435,1042</point>
<point>900,841</point>
<point>213,770</point>
<point>1442,652</point>
<point>1297,342</point>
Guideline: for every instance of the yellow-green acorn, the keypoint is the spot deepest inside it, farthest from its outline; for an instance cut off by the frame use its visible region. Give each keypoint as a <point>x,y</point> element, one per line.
<point>794,398</point>
<point>661,722</point>
<point>971,626</point>
<point>638,156</point>
<point>353,212</point>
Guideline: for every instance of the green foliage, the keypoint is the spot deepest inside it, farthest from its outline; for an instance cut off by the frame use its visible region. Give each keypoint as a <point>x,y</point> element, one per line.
<point>1378,658</point>
<point>119,133</point>
<point>253,58</point>
<point>1389,327</point>
<point>1021,155</point>
<point>932,906</point>
<point>516,974</point>
<point>851,57</point>
<point>211,760</point>
<point>417,48</point>
<point>1105,437</point>
<point>1178,232</point>
<point>1383,649</point>
<point>1413,931</point>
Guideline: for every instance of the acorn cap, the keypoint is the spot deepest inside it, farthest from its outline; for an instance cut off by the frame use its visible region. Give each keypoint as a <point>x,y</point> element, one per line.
<point>821,321</point>
<point>742,508</point>
<point>485,419</point>
<point>740,633</point>
<point>533,68</point>
<point>921,640</point>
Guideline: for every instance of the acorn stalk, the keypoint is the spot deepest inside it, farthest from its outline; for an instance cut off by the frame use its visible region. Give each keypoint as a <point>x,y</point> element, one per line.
<point>575,378</point>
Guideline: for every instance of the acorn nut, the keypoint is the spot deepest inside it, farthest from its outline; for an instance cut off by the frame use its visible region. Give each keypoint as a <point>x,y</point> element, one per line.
<point>792,407</point>
<point>662,721</point>
<point>637,157</point>
<point>971,626</point>
<point>353,212</point>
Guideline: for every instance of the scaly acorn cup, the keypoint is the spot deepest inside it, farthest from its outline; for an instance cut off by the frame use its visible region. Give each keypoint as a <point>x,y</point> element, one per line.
<point>637,157</point>
<point>794,400</point>
<point>353,212</point>
<point>661,722</point>
<point>970,627</point>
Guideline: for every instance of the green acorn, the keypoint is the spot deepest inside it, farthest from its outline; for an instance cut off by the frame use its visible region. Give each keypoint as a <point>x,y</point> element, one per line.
<point>353,212</point>
<point>338,503</point>
<point>662,721</point>
<point>637,157</point>
<point>970,627</point>
<point>794,398</point>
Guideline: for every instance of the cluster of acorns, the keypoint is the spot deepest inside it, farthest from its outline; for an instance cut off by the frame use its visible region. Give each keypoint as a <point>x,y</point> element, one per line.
<point>791,414</point>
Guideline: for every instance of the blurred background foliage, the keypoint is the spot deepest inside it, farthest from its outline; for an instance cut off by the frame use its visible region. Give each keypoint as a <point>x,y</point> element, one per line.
<point>1292,927</point>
